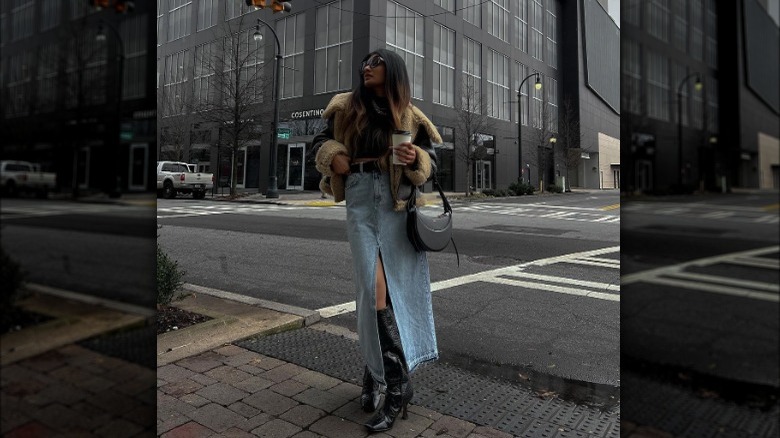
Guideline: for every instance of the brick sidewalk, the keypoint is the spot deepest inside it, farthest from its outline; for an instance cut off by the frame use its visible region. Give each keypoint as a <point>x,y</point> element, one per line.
<point>234,392</point>
<point>73,391</point>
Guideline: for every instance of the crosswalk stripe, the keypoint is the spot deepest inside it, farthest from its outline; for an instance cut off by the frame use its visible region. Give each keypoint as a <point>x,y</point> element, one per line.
<point>553,288</point>
<point>756,262</point>
<point>588,262</point>
<point>564,280</point>
<point>725,280</point>
<point>714,288</point>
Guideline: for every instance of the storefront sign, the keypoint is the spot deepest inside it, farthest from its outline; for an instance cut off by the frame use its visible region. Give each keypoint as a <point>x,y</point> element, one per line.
<point>307,114</point>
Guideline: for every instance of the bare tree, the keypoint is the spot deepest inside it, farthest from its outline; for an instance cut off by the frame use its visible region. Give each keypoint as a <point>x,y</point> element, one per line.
<point>175,106</point>
<point>83,83</point>
<point>472,120</point>
<point>570,139</point>
<point>234,68</point>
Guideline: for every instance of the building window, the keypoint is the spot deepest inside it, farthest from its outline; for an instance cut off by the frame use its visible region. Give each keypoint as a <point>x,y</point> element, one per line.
<point>632,76</point>
<point>449,5</point>
<point>472,12</point>
<point>537,35</point>
<point>633,12</point>
<point>552,32</point>
<point>203,79</point>
<point>471,96</point>
<point>333,47</point>
<point>712,29</point>
<point>174,87</point>
<point>680,29</point>
<point>697,110</point>
<point>658,19</point>
<point>50,14</point>
<point>22,14</point>
<point>86,71</point>
<point>537,105</point>
<point>236,8</point>
<point>19,83</point>
<point>405,37</point>
<point>251,56</point>
<point>657,86</point>
<point>160,23</point>
<point>207,14</point>
<point>498,17</point>
<point>498,85</point>
<point>521,24</point>
<point>133,31</point>
<point>697,35</point>
<point>551,86</point>
<point>48,57</point>
<point>292,30</point>
<point>179,23</point>
<point>445,157</point>
<point>443,65</point>
<point>520,73</point>
<point>711,88</point>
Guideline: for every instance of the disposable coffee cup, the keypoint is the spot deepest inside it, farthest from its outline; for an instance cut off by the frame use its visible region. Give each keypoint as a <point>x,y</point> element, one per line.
<point>398,138</point>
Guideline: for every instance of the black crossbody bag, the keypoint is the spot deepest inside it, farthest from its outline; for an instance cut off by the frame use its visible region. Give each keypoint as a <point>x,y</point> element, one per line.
<point>429,233</point>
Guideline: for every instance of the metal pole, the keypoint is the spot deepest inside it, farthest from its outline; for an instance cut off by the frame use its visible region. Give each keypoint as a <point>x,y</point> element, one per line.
<point>520,130</point>
<point>679,127</point>
<point>117,192</point>
<point>272,191</point>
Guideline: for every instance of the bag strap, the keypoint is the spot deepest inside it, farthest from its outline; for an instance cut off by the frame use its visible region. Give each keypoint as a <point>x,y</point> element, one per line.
<point>448,209</point>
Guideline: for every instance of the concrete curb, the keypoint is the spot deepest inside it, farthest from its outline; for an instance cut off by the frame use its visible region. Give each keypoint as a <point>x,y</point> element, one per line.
<point>309,316</point>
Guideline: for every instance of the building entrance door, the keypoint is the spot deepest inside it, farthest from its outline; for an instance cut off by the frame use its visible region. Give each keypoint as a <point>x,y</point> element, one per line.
<point>296,152</point>
<point>241,168</point>
<point>82,167</point>
<point>483,172</point>
<point>139,162</point>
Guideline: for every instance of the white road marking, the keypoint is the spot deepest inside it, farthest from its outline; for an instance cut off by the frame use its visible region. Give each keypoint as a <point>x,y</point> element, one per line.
<point>675,276</point>
<point>500,275</point>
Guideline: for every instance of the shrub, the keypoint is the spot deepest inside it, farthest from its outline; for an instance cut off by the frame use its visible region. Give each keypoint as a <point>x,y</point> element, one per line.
<point>552,188</point>
<point>169,277</point>
<point>11,277</point>
<point>490,192</point>
<point>519,189</point>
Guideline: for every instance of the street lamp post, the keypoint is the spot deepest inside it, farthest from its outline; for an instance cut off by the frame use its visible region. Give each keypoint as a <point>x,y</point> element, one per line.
<point>697,86</point>
<point>553,140</point>
<point>272,191</point>
<point>101,36</point>
<point>538,86</point>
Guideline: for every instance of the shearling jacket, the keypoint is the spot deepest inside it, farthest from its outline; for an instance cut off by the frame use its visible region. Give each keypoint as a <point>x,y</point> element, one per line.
<point>331,142</point>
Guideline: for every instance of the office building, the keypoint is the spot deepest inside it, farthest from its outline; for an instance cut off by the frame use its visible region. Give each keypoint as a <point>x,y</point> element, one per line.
<point>700,99</point>
<point>60,87</point>
<point>450,47</point>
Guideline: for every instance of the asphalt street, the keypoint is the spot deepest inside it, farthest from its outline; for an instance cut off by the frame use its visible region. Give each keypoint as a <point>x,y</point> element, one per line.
<point>535,299</point>
<point>103,250</point>
<point>700,296</point>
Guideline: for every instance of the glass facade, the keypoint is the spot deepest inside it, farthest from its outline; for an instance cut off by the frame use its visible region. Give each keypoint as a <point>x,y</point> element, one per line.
<point>443,65</point>
<point>333,47</point>
<point>405,37</point>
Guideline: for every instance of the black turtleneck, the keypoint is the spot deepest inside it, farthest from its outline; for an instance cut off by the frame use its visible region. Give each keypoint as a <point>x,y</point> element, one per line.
<point>374,141</point>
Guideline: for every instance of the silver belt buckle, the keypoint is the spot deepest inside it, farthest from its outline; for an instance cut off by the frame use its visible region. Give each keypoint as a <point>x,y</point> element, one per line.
<point>361,166</point>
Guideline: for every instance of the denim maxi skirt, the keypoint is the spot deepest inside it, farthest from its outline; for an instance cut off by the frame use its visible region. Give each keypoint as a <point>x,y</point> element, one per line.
<point>373,227</point>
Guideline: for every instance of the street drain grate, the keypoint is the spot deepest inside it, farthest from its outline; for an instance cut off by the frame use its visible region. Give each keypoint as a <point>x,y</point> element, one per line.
<point>136,345</point>
<point>446,389</point>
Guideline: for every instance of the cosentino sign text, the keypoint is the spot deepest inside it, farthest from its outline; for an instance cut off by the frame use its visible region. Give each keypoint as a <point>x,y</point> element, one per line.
<point>307,114</point>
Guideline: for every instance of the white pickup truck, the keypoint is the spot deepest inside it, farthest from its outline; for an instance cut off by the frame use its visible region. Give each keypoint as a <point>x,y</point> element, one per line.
<point>24,176</point>
<point>175,177</point>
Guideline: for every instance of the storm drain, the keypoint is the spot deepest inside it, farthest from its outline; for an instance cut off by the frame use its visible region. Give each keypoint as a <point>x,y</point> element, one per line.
<point>136,345</point>
<point>447,389</point>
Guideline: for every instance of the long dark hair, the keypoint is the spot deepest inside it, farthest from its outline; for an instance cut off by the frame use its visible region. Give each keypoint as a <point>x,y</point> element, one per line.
<point>397,92</point>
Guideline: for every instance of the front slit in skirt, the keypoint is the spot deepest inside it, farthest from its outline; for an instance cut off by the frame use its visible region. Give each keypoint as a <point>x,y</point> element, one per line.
<point>374,228</point>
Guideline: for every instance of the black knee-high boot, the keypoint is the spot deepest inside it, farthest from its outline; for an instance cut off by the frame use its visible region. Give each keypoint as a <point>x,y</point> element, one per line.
<point>399,387</point>
<point>369,398</point>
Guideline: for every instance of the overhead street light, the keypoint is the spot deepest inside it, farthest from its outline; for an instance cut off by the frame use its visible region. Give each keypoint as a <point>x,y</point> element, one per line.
<point>272,191</point>
<point>538,86</point>
<point>101,37</point>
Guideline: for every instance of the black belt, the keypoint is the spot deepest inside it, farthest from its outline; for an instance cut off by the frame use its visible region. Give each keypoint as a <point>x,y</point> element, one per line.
<point>367,166</point>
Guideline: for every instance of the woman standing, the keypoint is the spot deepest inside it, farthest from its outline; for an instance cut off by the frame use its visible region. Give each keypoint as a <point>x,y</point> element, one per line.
<point>354,154</point>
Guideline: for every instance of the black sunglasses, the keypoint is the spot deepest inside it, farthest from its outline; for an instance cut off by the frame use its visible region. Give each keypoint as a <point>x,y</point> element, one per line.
<point>372,62</point>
